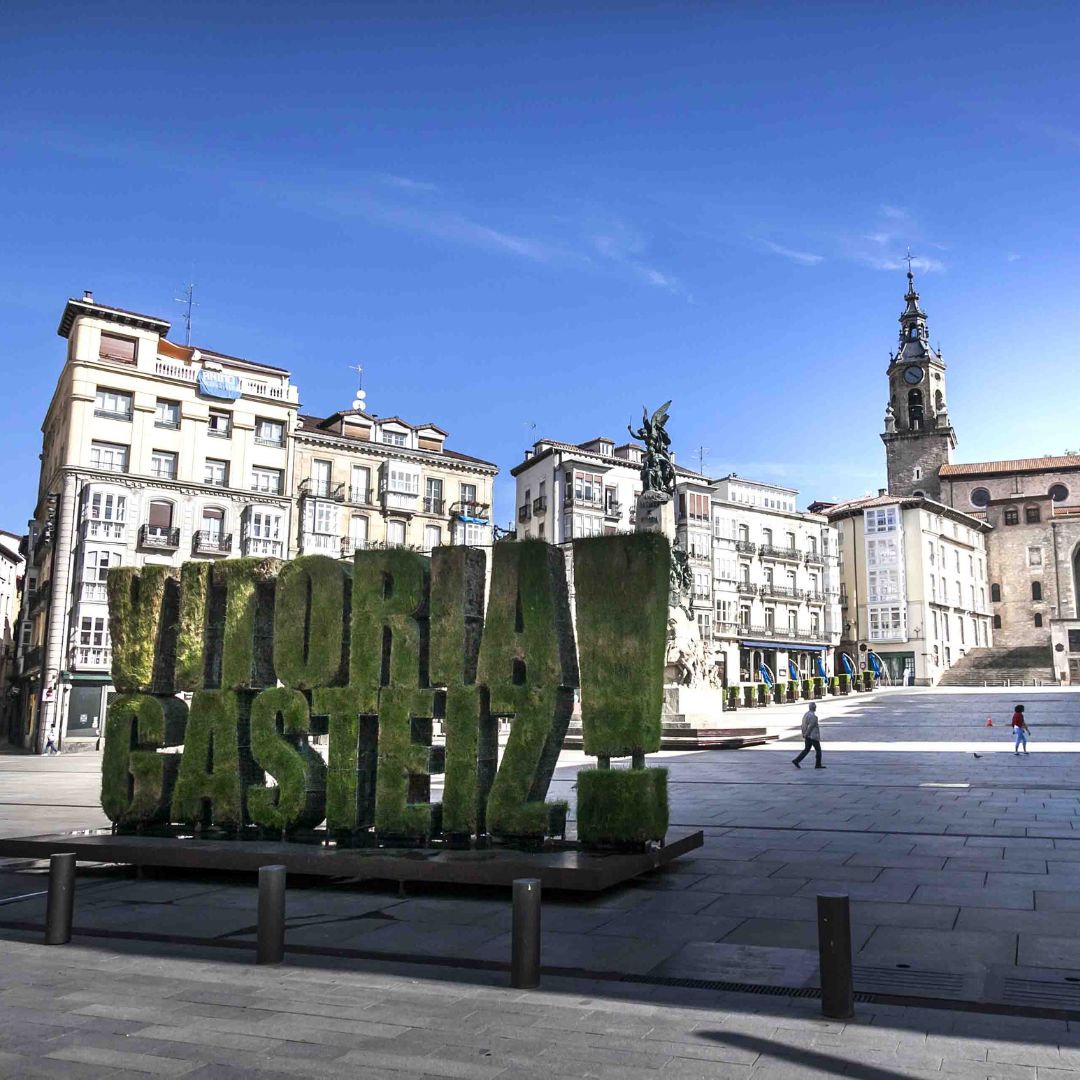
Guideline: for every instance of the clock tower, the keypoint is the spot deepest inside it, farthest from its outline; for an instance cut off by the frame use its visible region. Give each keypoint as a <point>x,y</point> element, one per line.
<point>918,436</point>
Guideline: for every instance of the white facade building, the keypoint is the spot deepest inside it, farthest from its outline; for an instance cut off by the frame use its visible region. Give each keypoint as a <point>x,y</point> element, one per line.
<point>152,453</point>
<point>765,592</point>
<point>914,586</point>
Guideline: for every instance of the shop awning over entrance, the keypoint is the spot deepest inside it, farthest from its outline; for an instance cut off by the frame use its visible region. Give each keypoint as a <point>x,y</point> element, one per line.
<point>782,645</point>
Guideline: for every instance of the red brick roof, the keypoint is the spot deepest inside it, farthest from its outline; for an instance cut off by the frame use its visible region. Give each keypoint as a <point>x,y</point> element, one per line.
<point>1039,464</point>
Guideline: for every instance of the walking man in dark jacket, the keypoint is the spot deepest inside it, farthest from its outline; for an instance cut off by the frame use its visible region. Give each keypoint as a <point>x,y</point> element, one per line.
<point>811,734</point>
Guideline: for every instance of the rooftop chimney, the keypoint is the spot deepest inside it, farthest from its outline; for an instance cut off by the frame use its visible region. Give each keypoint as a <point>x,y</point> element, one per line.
<point>88,296</point>
<point>882,491</point>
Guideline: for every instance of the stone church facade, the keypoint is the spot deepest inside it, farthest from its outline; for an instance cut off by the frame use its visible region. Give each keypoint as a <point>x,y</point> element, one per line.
<point>1032,505</point>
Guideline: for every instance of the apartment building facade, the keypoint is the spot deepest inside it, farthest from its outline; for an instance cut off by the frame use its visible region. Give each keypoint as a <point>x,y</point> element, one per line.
<point>765,588</point>
<point>152,452</point>
<point>364,481</point>
<point>914,585</point>
<point>776,582</point>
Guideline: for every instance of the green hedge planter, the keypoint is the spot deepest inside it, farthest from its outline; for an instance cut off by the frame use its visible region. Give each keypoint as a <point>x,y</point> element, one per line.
<point>457,622</point>
<point>143,606</point>
<point>192,625</point>
<point>528,662</point>
<point>868,679</point>
<point>732,696</point>
<point>819,687</point>
<point>621,807</point>
<point>390,595</point>
<point>622,603</point>
<point>844,683</point>
<point>762,694</point>
<point>246,613</point>
<point>310,613</point>
<point>280,722</point>
<point>749,697</point>
<point>778,693</point>
<point>217,766</point>
<point>808,689</point>
<point>136,781</point>
<point>350,776</point>
<point>834,685</point>
<point>403,813</point>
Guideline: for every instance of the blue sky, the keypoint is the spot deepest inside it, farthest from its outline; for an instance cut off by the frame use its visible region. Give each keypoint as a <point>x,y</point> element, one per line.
<point>532,219</point>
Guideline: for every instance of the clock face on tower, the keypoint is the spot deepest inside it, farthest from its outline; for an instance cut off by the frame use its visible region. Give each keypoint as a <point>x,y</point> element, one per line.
<point>913,376</point>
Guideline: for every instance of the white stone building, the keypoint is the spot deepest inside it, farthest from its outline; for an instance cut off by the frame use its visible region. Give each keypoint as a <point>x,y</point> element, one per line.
<point>152,453</point>
<point>765,587</point>
<point>913,582</point>
<point>776,581</point>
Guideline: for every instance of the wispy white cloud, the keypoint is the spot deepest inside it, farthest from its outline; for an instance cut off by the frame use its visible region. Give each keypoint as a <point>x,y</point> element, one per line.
<point>406,183</point>
<point>623,246</point>
<point>804,258</point>
<point>894,213</point>
<point>1013,256</point>
<point>883,245</point>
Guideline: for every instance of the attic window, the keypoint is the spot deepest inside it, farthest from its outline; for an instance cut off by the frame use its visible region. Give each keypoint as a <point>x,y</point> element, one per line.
<point>394,438</point>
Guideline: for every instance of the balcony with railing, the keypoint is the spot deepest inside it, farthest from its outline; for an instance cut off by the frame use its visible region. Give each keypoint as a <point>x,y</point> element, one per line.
<point>159,537</point>
<point>524,512</point>
<point>613,509</point>
<point>540,504</point>
<point>349,544</point>
<point>815,558</point>
<point>817,597</point>
<point>39,598</point>
<point>33,658</point>
<point>313,488</point>
<point>746,588</point>
<point>211,542</point>
<point>262,547</point>
<point>277,391</point>
<point>362,496</point>
<point>433,506</point>
<point>726,627</point>
<point>104,531</point>
<point>785,554</point>
<point>470,509</point>
<point>91,656</point>
<point>94,592</point>
<point>783,592</point>
<point>745,547</point>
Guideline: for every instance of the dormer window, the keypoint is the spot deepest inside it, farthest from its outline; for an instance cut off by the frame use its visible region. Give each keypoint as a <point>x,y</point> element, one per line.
<point>394,438</point>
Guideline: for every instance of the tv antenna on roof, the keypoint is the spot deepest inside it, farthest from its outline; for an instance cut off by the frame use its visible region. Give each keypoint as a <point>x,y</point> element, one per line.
<point>188,300</point>
<point>360,400</point>
<point>701,452</point>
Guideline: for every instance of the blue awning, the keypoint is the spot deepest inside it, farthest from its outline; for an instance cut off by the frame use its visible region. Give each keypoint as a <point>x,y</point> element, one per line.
<point>782,645</point>
<point>472,520</point>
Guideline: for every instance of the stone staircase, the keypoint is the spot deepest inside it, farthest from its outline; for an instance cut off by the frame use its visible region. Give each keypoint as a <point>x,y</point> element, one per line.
<point>1027,666</point>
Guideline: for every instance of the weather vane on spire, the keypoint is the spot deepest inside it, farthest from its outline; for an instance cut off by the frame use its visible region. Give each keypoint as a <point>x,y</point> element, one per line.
<point>360,400</point>
<point>909,258</point>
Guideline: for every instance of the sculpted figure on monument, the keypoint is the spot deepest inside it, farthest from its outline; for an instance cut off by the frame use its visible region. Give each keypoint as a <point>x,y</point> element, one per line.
<point>657,471</point>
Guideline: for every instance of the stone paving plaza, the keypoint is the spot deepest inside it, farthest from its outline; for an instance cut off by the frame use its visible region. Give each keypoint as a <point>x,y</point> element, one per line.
<point>962,863</point>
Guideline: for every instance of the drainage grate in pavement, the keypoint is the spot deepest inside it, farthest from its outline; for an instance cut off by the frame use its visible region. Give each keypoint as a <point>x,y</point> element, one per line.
<point>892,980</point>
<point>724,984</point>
<point>1049,993</point>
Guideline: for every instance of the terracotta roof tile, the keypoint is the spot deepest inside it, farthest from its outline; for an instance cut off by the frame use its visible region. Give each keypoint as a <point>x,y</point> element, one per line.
<point>977,468</point>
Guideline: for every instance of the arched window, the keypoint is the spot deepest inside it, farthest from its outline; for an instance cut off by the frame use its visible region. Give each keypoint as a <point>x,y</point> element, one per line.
<point>915,409</point>
<point>995,594</point>
<point>997,622</point>
<point>1031,515</point>
<point>1036,590</point>
<point>979,496</point>
<point>939,401</point>
<point>1038,618</point>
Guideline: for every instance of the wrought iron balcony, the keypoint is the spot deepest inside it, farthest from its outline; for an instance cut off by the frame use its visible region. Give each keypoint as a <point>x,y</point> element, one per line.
<point>469,508</point>
<point>312,488</point>
<point>815,558</point>
<point>32,659</point>
<point>745,547</point>
<point>166,538</point>
<point>613,508</point>
<point>212,543</point>
<point>816,597</point>
<point>433,506</point>
<point>539,505</point>
<point>771,551</point>
<point>524,512</point>
<point>362,496</point>
<point>747,588</point>
<point>787,592</point>
<point>349,544</point>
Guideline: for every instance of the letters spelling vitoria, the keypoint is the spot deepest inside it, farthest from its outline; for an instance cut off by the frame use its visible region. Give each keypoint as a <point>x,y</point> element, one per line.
<point>369,652</point>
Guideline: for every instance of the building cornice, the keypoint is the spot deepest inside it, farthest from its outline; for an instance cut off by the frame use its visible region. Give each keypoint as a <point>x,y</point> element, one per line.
<point>74,308</point>
<point>386,451</point>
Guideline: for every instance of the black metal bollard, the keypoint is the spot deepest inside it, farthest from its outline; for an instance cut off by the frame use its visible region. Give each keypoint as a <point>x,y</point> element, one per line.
<point>61,901</point>
<point>834,952</point>
<point>525,947</point>
<point>270,938</point>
